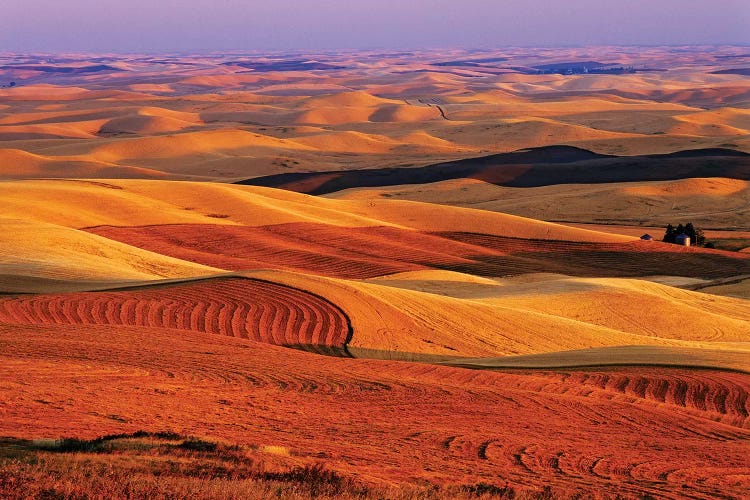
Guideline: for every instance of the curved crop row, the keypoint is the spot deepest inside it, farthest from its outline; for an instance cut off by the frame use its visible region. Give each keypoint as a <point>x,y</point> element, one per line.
<point>720,397</point>
<point>246,308</point>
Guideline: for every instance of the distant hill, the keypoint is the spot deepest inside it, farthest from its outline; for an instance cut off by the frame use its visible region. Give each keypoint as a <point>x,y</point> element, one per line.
<point>736,71</point>
<point>582,67</point>
<point>68,70</point>
<point>290,65</point>
<point>534,167</point>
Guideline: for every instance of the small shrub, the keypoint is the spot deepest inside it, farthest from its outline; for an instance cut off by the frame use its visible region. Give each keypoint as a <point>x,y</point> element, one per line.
<point>317,480</point>
<point>197,445</point>
<point>72,445</point>
<point>485,489</point>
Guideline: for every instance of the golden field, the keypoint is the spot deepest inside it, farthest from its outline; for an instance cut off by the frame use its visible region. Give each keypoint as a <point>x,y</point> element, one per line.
<point>373,274</point>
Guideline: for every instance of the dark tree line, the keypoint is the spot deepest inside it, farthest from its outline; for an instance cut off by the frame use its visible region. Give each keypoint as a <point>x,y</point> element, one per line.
<point>697,237</point>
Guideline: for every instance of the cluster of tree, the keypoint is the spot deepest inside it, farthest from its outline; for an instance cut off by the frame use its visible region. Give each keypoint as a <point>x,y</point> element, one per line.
<point>697,237</point>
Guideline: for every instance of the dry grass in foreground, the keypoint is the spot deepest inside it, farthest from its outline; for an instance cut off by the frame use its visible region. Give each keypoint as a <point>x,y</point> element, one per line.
<point>167,465</point>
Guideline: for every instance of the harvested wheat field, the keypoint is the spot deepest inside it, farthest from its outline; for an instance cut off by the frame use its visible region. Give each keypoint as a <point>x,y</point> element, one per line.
<point>375,274</point>
<point>573,430</point>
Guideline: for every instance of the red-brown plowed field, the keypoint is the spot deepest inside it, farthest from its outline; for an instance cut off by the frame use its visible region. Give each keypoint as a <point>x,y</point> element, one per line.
<point>366,252</point>
<point>344,252</point>
<point>669,433</point>
<point>246,308</point>
<point>638,258</point>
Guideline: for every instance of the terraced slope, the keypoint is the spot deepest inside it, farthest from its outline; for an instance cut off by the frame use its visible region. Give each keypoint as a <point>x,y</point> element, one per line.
<point>244,308</point>
<point>430,315</point>
<point>422,318</point>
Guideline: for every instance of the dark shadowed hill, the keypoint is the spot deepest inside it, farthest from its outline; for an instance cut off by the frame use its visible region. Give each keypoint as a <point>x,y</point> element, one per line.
<point>735,71</point>
<point>69,70</point>
<point>528,168</point>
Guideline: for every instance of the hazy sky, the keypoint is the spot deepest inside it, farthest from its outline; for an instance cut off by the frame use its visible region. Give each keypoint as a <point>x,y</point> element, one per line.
<point>205,25</point>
